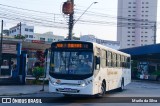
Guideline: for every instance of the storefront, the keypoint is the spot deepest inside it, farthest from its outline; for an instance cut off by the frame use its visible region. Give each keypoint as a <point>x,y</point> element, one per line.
<point>32,48</point>
<point>145,61</point>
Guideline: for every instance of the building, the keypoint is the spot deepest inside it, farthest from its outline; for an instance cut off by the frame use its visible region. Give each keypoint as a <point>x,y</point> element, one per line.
<point>27,31</point>
<point>48,37</point>
<point>6,32</point>
<point>108,43</point>
<point>136,24</point>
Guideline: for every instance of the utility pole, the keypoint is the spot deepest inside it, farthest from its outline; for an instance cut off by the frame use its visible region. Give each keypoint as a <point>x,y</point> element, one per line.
<point>1,46</point>
<point>20,29</point>
<point>71,22</point>
<point>154,29</point>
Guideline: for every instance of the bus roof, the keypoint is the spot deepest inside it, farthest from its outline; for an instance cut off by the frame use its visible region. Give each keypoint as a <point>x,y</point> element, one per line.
<point>96,45</point>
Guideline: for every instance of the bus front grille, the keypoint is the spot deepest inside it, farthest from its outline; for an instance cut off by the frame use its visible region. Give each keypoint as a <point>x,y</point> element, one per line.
<point>68,90</point>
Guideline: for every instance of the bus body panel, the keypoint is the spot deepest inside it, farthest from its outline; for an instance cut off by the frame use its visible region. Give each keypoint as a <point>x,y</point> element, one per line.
<point>113,77</point>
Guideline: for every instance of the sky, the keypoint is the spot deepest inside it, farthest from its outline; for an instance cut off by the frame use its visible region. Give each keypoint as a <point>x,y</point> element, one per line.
<point>103,11</point>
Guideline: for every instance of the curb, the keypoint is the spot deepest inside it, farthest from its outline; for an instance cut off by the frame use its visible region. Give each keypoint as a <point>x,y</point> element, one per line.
<point>146,81</point>
<point>19,94</point>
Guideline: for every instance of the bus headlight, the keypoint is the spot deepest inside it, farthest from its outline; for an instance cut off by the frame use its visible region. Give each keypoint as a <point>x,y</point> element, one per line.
<point>84,82</point>
<point>53,82</point>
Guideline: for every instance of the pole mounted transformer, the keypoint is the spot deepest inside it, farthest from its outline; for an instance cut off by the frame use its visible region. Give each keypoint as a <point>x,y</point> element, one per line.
<point>68,9</point>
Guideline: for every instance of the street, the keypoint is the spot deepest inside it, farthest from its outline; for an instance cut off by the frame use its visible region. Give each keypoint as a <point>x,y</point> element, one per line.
<point>135,89</point>
<point>113,98</point>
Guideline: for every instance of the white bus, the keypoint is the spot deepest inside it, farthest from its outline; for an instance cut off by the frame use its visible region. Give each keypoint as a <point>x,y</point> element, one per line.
<point>86,68</point>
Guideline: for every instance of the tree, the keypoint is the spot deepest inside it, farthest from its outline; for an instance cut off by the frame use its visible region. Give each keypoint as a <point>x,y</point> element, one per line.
<point>19,37</point>
<point>38,69</point>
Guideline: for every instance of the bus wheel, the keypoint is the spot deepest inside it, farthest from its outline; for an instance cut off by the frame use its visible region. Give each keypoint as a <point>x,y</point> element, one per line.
<point>158,78</point>
<point>103,90</point>
<point>122,87</point>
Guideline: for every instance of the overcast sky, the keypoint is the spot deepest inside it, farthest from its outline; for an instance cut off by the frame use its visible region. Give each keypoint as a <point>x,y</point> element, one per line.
<point>104,11</point>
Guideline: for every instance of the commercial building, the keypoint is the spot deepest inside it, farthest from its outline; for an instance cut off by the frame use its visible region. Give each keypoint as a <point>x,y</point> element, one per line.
<point>48,37</point>
<point>136,24</point>
<point>108,43</point>
<point>26,31</point>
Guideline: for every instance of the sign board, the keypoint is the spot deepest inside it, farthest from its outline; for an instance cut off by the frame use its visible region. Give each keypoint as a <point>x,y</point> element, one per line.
<point>9,48</point>
<point>38,41</point>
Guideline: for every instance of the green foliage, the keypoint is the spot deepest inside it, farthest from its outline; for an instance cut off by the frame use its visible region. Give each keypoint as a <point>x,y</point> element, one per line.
<point>38,72</point>
<point>19,37</point>
<point>156,73</point>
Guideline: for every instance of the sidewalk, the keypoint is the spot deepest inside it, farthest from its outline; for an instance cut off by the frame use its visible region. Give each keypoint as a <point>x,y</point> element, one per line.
<point>13,90</point>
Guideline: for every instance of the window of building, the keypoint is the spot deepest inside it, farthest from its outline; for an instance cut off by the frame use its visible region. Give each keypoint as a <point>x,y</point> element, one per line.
<point>134,2</point>
<point>129,15</point>
<point>142,2</point>
<point>128,35</point>
<point>133,15</point>
<point>134,11</point>
<point>145,40</point>
<point>42,39</point>
<point>146,11</point>
<point>141,36</point>
<point>146,28</point>
<point>30,36</point>
<point>141,40</point>
<point>129,27</point>
<point>146,15</point>
<point>133,27</point>
<point>128,40</point>
<point>17,28</point>
<point>142,7</point>
<point>50,40</point>
<point>128,44</point>
<point>26,29</point>
<point>133,40</point>
<point>147,2</point>
<point>147,7</point>
<point>129,6</point>
<point>134,6</point>
<point>133,31</point>
<point>129,11</point>
<point>128,31</point>
<point>30,30</point>
<point>129,2</point>
<point>133,36</point>
<point>133,44</point>
<point>26,36</point>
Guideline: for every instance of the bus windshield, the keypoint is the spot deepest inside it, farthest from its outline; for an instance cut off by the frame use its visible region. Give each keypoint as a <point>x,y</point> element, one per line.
<point>75,63</point>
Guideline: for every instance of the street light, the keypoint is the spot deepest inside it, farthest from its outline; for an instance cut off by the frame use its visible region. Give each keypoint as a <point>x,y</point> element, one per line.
<point>71,21</point>
<point>84,12</point>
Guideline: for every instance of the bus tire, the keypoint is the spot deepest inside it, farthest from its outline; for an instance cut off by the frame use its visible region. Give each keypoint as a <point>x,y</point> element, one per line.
<point>103,90</point>
<point>122,86</point>
<point>158,78</point>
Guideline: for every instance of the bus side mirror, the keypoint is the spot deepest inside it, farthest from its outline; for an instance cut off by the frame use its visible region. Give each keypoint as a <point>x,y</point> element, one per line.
<point>97,60</point>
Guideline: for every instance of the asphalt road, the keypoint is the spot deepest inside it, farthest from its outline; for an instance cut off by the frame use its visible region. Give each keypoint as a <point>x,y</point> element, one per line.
<point>135,90</point>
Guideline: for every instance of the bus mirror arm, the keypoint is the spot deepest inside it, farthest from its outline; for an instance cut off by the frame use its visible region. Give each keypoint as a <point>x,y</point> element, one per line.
<point>97,60</point>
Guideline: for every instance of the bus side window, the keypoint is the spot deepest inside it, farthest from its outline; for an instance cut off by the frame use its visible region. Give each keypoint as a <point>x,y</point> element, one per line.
<point>97,62</point>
